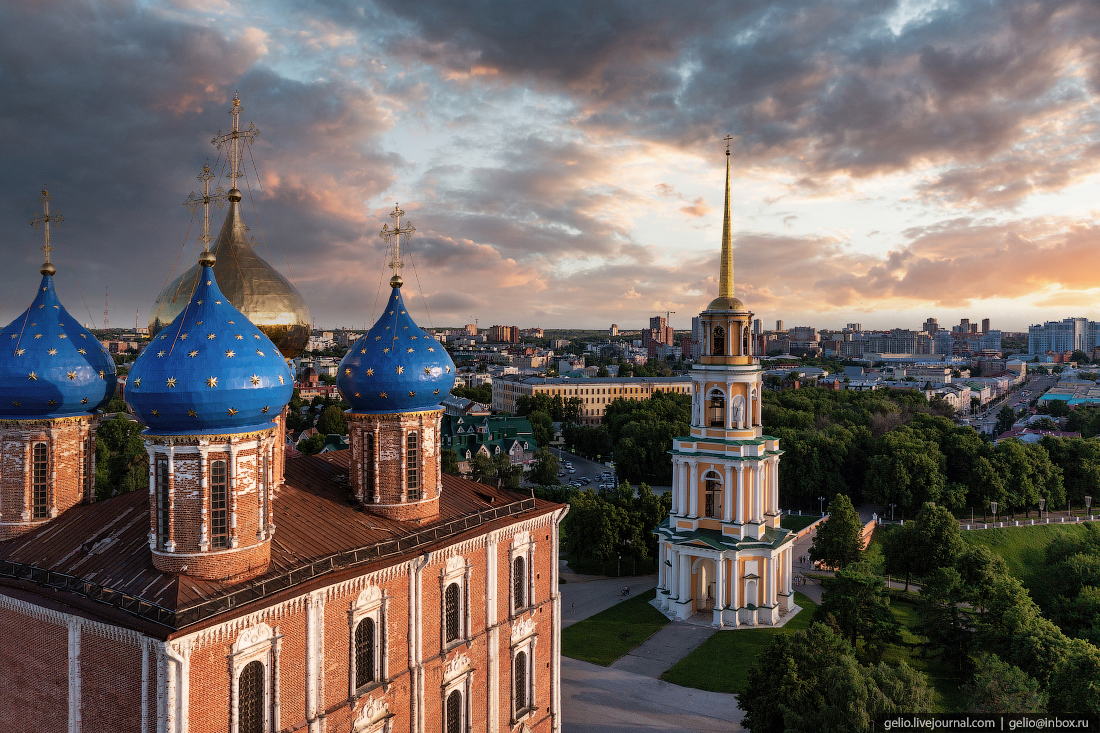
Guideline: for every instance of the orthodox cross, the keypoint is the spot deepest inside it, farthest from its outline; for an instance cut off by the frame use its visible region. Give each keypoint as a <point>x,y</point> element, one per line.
<point>217,198</point>
<point>233,139</point>
<point>727,138</point>
<point>395,235</point>
<point>47,218</point>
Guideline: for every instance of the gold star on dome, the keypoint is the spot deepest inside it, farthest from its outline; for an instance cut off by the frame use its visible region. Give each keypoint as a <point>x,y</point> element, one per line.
<point>159,353</point>
<point>406,328</point>
<point>382,395</point>
<point>211,382</point>
<point>281,381</point>
<point>83,335</point>
<point>199,302</point>
<point>32,377</point>
<point>42,306</point>
<point>400,370</point>
<point>102,374</point>
<point>386,350</point>
<point>171,382</point>
<point>84,401</point>
<point>255,335</point>
<point>217,302</point>
<point>15,335</point>
<point>266,408</point>
<point>34,324</point>
<point>391,313</point>
<point>20,352</point>
<point>71,376</point>
<point>61,335</point>
<point>192,413</point>
<point>239,337</point>
<point>436,392</point>
<point>209,336</point>
<point>38,335</point>
<point>137,382</point>
<point>193,353</point>
<point>376,338</point>
<point>347,372</point>
<point>198,323</point>
<point>431,349</point>
<point>362,351</point>
<point>232,323</point>
<point>208,282</point>
<point>232,412</point>
<point>52,402</point>
<point>411,393</point>
<point>259,352</point>
<point>183,336</point>
<point>413,338</point>
<point>370,371</point>
<point>230,353</point>
<point>156,412</point>
<point>52,352</point>
<point>403,313</point>
<point>15,403</point>
<point>255,379</point>
<point>82,351</point>
<point>409,350</point>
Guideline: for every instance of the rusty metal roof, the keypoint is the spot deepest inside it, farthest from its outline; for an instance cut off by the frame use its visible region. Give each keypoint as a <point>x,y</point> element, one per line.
<point>101,552</point>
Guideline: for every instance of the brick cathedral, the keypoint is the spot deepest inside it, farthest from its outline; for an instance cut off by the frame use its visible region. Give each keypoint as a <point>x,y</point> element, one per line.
<point>360,591</point>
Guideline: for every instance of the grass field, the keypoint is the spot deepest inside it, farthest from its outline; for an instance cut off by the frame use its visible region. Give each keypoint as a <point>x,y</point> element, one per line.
<point>722,663</point>
<point>1024,548</point>
<point>603,638</point>
<point>796,522</point>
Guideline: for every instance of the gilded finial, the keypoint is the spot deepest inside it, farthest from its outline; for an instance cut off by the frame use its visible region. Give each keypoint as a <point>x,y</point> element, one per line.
<point>232,140</point>
<point>217,198</point>
<point>393,238</point>
<point>46,218</point>
<point>725,283</point>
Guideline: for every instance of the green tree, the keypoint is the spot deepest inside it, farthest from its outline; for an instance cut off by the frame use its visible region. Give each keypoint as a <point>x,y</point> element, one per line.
<point>1005,418</point>
<point>1075,684</point>
<point>839,539</point>
<point>122,465</point>
<point>942,618</point>
<point>508,476</point>
<point>332,421</point>
<point>311,445</point>
<point>856,600</point>
<point>999,687</point>
<point>542,427</point>
<point>1079,461</point>
<point>906,470</point>
<point>448,461</point>
<point>482,468</point>
<point>545,470</point>
<point>1028,475</point>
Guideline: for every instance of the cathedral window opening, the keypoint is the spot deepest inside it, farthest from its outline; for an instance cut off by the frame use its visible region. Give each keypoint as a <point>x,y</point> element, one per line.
<point>520,674</point>
<point>264,493</point>
<point>412,466</point>
<point>250,700</point>
<point>719,341</point>
<point>364,653</point>
<point>717,409</point>
<point>89,469</point>
<point>40,496</point>
<point>451,613</point>
<point>713,504</point>
<point>219,505</point>
<point>745,340</point>
<point>163,515</point>
<point>453,723</point>
<point>368,466</point>
<point>519,582</point>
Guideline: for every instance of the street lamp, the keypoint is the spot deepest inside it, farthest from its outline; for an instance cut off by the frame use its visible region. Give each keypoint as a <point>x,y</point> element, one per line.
<point>1088,503</point>
<point>892,511</point>
<point>821,505</point>
<point>993,508</point>
<point>1042,506</point>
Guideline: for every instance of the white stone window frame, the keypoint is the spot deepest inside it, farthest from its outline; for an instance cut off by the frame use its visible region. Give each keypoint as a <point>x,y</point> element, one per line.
<point>373,717</point>
<point>456,570</point>
<point>458,676</point>
<point>257,643</point>
<point>524,639</point>
<point>371,603</point>
<point>522,546</point>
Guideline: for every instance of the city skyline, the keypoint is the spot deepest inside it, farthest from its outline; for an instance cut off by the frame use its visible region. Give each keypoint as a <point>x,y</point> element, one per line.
<point>917,159</point>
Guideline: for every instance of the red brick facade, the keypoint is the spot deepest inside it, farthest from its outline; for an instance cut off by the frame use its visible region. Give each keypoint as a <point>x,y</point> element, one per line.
<point>381,470</point>
<point>68,446</point>
<point>211,501</point>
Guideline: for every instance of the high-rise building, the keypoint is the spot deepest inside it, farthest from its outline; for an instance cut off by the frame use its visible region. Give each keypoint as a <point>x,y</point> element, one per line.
<point>741,572</point>
<point>985,325</point>
<point>471,329</point>
<point>757,326</point>
<point>802,333</point>
<point>614,330</point>
<point>504,334</point>
<point>1061,336</point>
<point>853,327</point>
<point>779,326</point>
<point>931,326</point>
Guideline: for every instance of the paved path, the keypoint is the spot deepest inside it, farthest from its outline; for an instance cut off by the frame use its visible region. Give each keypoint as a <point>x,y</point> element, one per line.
<point>599,699</point>
<point>661,651</point>
<point>585,595</point>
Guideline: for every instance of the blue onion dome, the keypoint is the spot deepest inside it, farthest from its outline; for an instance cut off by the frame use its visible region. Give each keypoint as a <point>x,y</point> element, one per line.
<point>396,366</point>
<point>210,371</point>
<point>50,365</point>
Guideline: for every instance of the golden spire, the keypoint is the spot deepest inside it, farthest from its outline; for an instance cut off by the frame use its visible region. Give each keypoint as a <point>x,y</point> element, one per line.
<point>725,284</point>
<point>233,139</point>
<point>47,218</point>
<point>393,238</point>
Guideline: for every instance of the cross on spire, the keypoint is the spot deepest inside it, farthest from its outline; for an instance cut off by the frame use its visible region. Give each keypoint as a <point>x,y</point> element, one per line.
<point>217,198</point>
<point>233,139</point>
<point>46,218</point>
<point>393,238</point>
<point>725,281</point>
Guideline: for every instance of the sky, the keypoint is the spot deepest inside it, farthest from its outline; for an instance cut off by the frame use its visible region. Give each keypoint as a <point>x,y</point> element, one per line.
<point>563,161</point>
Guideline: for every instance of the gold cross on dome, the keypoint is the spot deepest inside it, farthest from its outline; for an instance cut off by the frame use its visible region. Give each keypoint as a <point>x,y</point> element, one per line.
<point>727,138</point>
<point>394,236</point>
<point>217,198</point>
<point>232,140</point>
<point>46,218</point>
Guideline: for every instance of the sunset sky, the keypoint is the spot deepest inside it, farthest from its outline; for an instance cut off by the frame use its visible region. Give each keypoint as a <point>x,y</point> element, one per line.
<point>562,161</point>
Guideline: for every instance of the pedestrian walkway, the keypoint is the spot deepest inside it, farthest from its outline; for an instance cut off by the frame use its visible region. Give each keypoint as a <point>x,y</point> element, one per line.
<point>586,595</point>
<point>660,652</point>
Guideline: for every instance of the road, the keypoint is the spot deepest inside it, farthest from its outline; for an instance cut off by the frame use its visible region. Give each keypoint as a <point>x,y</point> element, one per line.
<point>1035,386</point>
<point>583,468</point>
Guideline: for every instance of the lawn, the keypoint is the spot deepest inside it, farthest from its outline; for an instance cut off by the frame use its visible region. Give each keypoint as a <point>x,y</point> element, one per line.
<point>797,522</point>
<point>603,638</point>
<point>1024,548</point>
<point>944,680</point>
<point>722,663</point>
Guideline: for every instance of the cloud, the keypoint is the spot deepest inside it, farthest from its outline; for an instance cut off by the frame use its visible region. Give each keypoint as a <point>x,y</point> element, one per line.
<point>696,208</point>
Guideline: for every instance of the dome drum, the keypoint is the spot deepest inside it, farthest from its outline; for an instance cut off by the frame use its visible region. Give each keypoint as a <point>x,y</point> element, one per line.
<point>395,463</point>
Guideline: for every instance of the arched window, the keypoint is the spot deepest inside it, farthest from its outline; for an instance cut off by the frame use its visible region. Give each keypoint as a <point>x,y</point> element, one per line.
<point>520,674</point>
<point>219,505</point>
<point>745,342</point>
<point>713,495</point>
<point>412,467</point>
<point>40,496</point>
<point>368,466</point>
<point>719,341</point>
<point>519,582</point>
<point>453,723</point>
<point>364,652</point>
<point>250,699</point>
<point>452,615</point>
<point>163,512</point>
<point>717,409</point>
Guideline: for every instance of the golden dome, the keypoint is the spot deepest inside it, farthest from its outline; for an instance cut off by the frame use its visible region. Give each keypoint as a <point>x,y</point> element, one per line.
<point>254,287</point>
<point>723,303</point>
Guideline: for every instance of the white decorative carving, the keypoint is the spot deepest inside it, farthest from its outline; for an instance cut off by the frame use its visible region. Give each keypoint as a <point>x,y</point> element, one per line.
<point>457,667</point>
<point>252,636</point>
<point>520,539</point>
<point>522,629</point>
<point>370,596</point>
<point>455,564</point>
<point>372,712</point>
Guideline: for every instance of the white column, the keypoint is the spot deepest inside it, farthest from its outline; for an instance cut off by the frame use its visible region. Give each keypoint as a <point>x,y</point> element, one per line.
<point>661,552</point>
<point>674,577</point>
<point>775,485</point>
<point>735,583</point>
<point>683,488</point>
<point>728,486</point>
<point>234,541</point>
<point>740,468</point>
<point>787,565</point>
<point>675,486</point>
<point>729,406</point>
<point>720,589</point>
<point>74,674</point>
<point>757,494</point>
<point>685,585</point>
<point>693,489</point>
<point>493,672</point>
<point>313,661</point>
